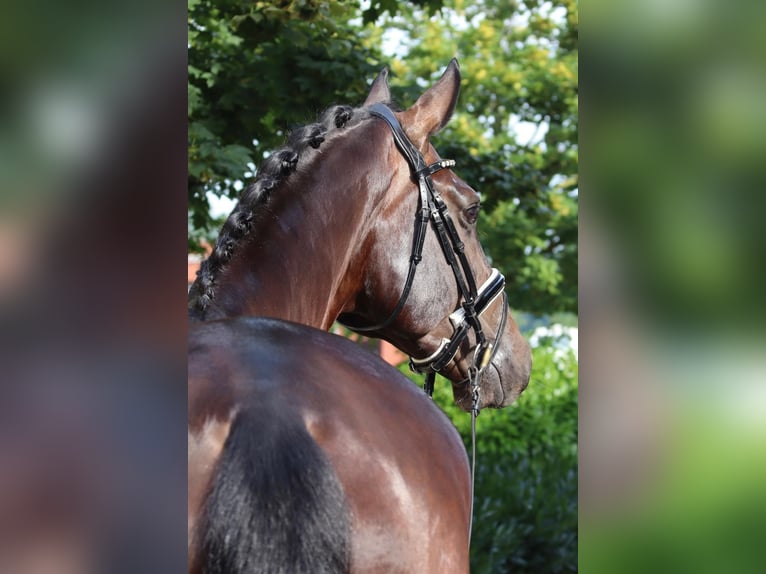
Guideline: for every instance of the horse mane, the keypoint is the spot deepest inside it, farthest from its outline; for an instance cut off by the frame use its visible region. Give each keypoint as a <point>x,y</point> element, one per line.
<point>274,170</point>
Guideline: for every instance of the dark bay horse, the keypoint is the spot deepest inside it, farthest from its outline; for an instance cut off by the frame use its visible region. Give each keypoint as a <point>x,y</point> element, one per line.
<point>295,435</point>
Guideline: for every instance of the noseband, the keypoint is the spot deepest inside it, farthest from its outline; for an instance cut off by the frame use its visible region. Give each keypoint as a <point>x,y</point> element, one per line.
<point>474,301</point>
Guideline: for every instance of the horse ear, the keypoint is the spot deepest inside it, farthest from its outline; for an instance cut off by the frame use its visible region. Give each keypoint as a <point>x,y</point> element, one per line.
<point>434,107</point>
<point>379,91</point>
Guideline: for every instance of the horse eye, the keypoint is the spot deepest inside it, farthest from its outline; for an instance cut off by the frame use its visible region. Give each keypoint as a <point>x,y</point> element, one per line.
<point>472,213</point>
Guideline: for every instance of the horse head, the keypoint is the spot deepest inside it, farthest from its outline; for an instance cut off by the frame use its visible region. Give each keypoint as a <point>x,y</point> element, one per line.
<point>427,286</point>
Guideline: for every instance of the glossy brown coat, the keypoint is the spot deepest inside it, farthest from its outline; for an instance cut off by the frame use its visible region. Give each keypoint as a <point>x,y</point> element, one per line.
<point>334,238</point>
<point>395,453</point>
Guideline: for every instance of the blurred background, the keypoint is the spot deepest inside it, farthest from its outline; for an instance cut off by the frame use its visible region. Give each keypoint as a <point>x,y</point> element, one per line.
<point>673,403</point>
<point>92,310</point>
<point>94,111</point>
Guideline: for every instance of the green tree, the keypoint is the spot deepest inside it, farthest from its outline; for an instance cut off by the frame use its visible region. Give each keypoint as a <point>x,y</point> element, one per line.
<point>519,65</point>
<point>257,69</point>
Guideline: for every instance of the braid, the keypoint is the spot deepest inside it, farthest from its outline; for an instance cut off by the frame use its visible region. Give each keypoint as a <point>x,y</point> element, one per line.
<point>274,169</point>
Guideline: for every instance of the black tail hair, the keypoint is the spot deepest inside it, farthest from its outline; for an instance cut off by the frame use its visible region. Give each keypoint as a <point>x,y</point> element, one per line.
<point>276,505</point>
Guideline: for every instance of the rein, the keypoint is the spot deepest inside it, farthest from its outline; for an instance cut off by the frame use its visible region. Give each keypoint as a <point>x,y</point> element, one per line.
<point>433,209</point>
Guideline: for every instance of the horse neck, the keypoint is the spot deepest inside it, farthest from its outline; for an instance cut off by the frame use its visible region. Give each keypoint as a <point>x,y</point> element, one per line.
<point>304,259</point>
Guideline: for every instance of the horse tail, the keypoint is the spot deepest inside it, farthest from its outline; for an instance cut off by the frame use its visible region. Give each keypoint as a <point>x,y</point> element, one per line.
<point>275,505</point>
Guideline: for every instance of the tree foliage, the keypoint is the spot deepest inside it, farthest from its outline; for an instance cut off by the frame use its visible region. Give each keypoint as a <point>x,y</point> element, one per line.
<point>519,65</point>
<point>256,69</point>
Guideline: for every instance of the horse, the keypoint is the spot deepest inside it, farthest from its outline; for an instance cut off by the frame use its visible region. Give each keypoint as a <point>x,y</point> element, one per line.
<point>332,452</point>
<point>304,452</point>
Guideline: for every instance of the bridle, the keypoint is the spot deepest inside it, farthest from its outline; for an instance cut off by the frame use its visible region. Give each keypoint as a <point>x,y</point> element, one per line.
<point>475,301</point>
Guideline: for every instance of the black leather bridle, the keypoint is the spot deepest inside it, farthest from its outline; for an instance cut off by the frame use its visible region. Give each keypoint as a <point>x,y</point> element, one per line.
<point>474,301</point>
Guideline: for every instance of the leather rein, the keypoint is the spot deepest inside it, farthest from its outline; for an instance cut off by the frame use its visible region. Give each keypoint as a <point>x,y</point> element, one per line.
<point>475,301</point>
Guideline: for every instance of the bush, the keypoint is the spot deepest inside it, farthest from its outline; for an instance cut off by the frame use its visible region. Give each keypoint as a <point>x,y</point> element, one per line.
<point>525,513</point>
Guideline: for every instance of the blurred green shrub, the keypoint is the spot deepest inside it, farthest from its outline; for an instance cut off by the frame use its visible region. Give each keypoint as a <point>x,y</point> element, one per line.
<point>525,516</point>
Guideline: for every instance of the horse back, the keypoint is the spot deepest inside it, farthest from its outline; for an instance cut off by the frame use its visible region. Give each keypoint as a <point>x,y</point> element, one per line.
<point>292,400</point>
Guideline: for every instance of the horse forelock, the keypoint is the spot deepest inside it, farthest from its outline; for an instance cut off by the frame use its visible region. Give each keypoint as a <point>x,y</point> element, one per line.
<point>274,171</point>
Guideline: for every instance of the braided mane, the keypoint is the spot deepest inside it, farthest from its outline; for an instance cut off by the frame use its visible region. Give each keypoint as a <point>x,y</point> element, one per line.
<point>274,170</point>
